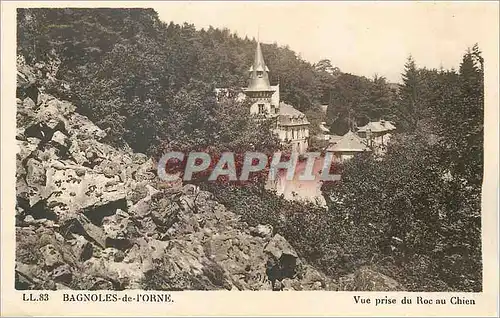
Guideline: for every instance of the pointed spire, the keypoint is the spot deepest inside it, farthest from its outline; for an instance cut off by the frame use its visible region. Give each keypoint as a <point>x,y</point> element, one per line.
<point>259,78</point>
<point>258,63</point>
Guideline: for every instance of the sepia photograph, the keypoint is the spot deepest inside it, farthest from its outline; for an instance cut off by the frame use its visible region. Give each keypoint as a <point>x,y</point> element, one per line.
<point>253,146</point>
<point>103,93</point>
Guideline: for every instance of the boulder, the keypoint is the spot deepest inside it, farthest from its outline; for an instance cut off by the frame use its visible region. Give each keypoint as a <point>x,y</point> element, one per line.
<point>28,104</point>
<point>145,171</point>
<point>47,119</point>
<point>35,174</point>
<point>90,193</point>
<point>142,208</point>
<point>81,225</point>
<point>116,230</point>
<point>217,248</point>
<point>82,248</point>
<point>63,274</point>
<point>166,212</point>
<point>264,231</point>
<point>25,76</point>
<point>29,276</point>
<point>51,256</point>
<point>367,279</point>
<point>25,148</point>
<point>60,139</point>
<point>278,246</point>
<point>27,246</point>
<point>84,129</point>
<point>110,254</point>
<point>116,226</point>
<point>121,275</point>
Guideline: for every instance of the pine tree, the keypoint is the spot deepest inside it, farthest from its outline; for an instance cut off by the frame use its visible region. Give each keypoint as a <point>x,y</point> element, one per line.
<point>470,113</point>
<point>379,99</point>
<point>409,108</point>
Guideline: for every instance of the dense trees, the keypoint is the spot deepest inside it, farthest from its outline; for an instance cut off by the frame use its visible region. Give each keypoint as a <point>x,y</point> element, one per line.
<point>409,104</point>
<point>146,82</point>
<point>462,124</point>
<point>126,67</point>
<point>355,100</point>
<point>421,204</point>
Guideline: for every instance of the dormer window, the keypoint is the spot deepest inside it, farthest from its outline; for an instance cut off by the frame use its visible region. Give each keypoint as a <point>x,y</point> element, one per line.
<point>260,74</point>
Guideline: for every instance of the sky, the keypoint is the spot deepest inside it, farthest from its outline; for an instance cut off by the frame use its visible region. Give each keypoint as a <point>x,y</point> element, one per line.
<point>362,38</point>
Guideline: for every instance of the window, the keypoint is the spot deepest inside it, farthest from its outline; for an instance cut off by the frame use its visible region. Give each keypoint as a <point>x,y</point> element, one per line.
<point>261,108</point>
<point>260,73</point>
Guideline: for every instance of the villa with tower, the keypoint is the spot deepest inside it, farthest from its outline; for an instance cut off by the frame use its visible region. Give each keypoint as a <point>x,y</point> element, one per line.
<point>292,126</point>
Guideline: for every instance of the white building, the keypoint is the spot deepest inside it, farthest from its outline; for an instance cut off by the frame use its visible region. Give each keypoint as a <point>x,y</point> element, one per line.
<point>292,126</point>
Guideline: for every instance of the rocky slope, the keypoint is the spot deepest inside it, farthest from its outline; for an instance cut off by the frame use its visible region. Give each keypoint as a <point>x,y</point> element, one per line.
<point>90,216</point>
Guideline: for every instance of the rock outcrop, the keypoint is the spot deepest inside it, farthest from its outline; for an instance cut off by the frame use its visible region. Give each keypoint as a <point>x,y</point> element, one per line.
<point>367,279</point>
<point>90,216</point>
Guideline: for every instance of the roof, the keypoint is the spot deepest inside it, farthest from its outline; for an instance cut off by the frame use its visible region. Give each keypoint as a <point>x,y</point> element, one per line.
<point>256,82</point>
<point>289,116</point>
<point>335,139</point>
<point>377,126</point>
<point>350,142</point>
<point>289,110</point>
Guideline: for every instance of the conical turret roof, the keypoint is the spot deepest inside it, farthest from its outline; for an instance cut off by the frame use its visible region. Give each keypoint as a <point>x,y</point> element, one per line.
<point>259,78</point>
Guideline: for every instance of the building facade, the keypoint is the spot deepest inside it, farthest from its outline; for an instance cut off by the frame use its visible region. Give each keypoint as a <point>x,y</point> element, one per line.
<point>292,126</point>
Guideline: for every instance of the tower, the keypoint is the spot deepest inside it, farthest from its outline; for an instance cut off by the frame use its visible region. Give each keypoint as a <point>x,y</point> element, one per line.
<point>259,90</point>
<point>291,125</point>
<point>259,73</point>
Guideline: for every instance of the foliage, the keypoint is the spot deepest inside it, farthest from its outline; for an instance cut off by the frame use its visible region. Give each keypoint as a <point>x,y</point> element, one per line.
<point>417,212</point>
<point>134,80</point>
<point>459,116</point>
<point>354,101</point>
<point>409,92</point>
